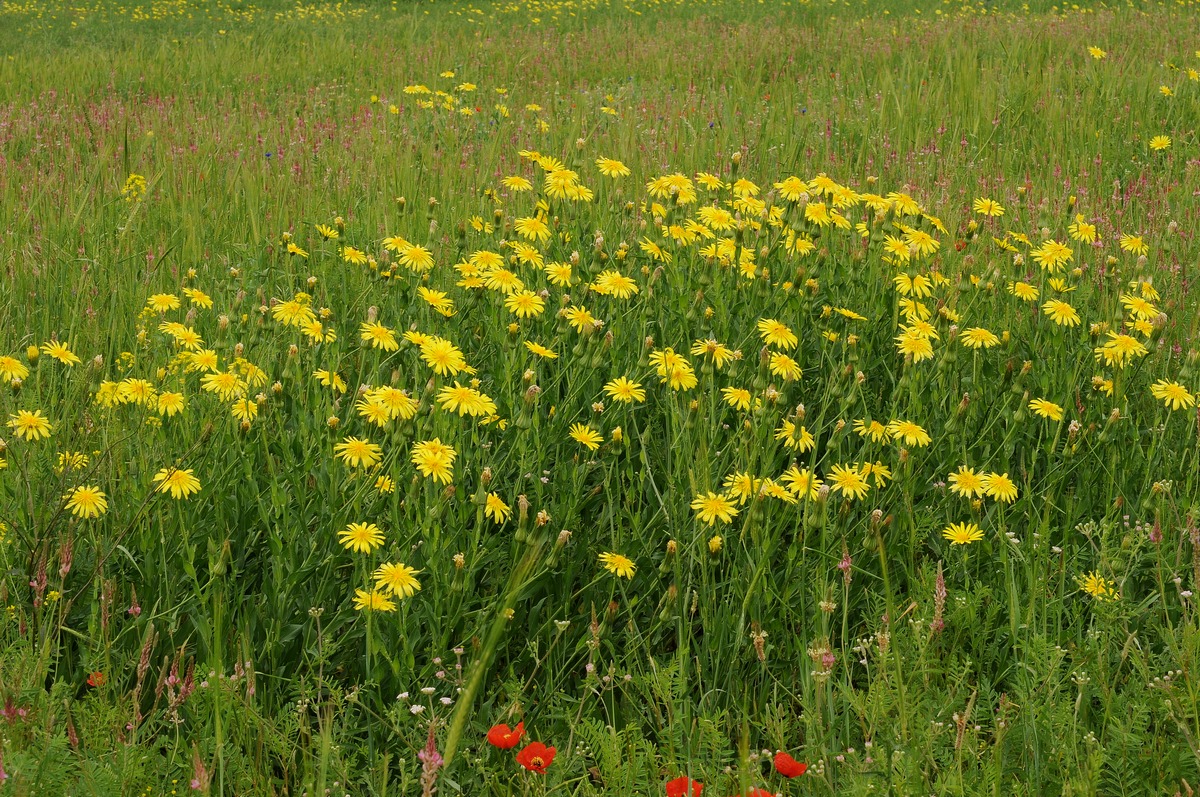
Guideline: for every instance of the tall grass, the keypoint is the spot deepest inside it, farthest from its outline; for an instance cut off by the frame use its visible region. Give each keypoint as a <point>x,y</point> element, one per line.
<point>212,643</point>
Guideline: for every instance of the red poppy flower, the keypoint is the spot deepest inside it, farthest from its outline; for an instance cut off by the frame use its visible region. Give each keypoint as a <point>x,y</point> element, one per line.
<point>96,679</point>
<point>535,757</point>
<point>505,737</point>
<point>759,793</point>
<point>789,767</point>
<point>683,787</point>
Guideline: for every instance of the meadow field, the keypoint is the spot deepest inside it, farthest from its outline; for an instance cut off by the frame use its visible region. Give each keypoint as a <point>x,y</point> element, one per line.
<point>583,397</point>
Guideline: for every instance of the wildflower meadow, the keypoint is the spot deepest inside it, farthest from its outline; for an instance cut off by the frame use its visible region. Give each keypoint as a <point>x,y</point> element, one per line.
<point>582,397</point>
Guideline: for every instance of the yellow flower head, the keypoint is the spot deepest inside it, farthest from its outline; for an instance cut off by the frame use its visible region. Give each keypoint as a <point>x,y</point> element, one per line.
<point>617,564</point>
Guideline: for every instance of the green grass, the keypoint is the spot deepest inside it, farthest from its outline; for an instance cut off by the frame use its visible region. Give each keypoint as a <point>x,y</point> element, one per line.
<point>814,626</point>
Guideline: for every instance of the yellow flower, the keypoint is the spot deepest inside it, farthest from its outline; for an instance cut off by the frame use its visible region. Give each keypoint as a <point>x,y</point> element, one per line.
<point>178,482</point>
<point>1097,53</point>
<point>874,430</point>
<point>612,168</point>
<point>1081,230</point>
<point>720,353</point>
<point>397,578</point>
<point>966,482</point>
<point>924,243</point>
<point>466,401</point>
<point>962,533</point>
<point>226,385</point>
<point>614,283</point>
<point>1023,291</point>
<point>245,410</point>
<point>741,486</point>
<point>849,481</point>
<point>979,338</point>
<point>586,436</point>
<point>434,459</point>
<point>495,508</point>
<point>908,432</point>
<point>357,452</point>
<point>988,207</point>
<point>532,228</point>
<point>516,183</point>
<point>30,426</point>
<point>373,601</point>
<point>795,438</point>
<point>397,403</point>
<point>1141,308</point>
<point>438,300</point>
<point>1052,255</point>
<point>711,507</point>
<point>558,273</point>
<point>71,460</point>
<point>525,304</point>
<point>999,487</point>
<point>198,298</point>
<point>802,483</point>
<point>12,369</point>
<point>624,390</point>
<point>791,189</point>
<point>1173,394</point>
<point>1046,409</point>
<point>378,336</point>
<point>1160,143</point>
<point>736,397</point>
<point>911,344</point>
<point>416,258</point>
<point>617,564</point>
<point>162,302</point>
<point>1120,349</point>
<point>331,379</point>
<point>442,356</point>
<point>1061,313</point>
<point>1097,586</point>
<point>784,367</point>
<point>1133,244</point>
<point>540,350</point>
<point>775,333</point>
<point>63,353</point>
<point>361,537</point>
<point>87,502</point>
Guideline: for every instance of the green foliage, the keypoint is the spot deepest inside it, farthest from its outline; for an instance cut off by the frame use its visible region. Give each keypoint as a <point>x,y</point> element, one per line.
<point>151,147</point>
